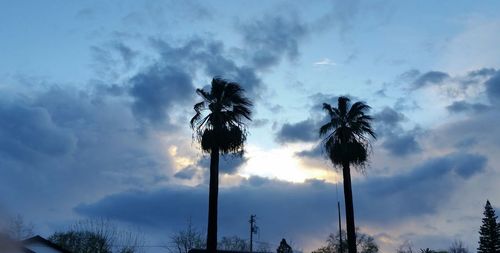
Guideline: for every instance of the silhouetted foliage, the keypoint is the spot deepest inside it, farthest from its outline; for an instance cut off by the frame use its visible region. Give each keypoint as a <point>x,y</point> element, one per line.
<point>233,243</point>
<point>218,126</point>
<point>187,239</point>
<point>347,143</point>
<point>405,247</point>
<point>222,127</point>
<point>97,236</point>
<point>489,233</point>
<point>458,247</point>
<point>81,241</point>
<point>364,242</point>
<point>284,247</point>
<point>192,238</point>
<point>427,250</point>
<point>17,228</point>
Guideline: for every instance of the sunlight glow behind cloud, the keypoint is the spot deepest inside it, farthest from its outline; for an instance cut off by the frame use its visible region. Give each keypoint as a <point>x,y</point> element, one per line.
<point>281,163</point>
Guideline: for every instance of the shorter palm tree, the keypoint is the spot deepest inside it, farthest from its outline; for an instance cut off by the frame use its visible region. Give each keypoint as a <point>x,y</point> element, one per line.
<point>219,128</point>
<point>347,142</point>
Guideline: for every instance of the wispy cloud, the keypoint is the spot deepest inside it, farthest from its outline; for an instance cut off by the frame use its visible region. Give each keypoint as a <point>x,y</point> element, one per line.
<point>325,62</point>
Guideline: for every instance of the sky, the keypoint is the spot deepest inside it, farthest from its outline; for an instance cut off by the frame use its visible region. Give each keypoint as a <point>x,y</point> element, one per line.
<point>96,98</point>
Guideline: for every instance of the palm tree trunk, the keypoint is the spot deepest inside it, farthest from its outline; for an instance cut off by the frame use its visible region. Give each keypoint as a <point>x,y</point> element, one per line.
<point>349,209</point>
<point>212,201</point>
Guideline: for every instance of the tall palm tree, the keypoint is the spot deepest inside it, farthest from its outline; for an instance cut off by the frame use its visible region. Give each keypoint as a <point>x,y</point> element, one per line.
<point>219,128</point>
<point>346,143</point>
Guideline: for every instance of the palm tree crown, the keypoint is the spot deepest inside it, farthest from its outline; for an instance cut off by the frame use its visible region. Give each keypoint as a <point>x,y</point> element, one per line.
<point>222,127</point>
<point>347,132</point>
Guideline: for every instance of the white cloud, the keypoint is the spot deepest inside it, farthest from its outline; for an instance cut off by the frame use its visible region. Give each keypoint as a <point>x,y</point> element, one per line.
<point>325,62</point>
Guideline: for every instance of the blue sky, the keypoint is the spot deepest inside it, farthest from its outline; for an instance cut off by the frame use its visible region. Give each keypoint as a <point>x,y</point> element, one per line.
<point>96,98</point>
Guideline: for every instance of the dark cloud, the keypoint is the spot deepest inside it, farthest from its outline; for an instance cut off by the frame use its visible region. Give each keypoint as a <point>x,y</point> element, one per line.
<point>187,173</point>
<point>389,117</point>
<point>463,106</point>
<point>396,140</point>
<point>127,54</point>
<point>276,204</point>
<point>409,75</point>
<point>319,98</point>
<point>54,142</point>
<point>270,38</point>
<point>431,77</point>
<point>314,153</point>
<point>210,57</point>
<point>402,144</point>
<point>484,72</point>
<point>28,133</point>
<point>493,88</point>
<point>228,164</point>
<point>158,88</point>
<point>303,131</point>
<point>419,191</point>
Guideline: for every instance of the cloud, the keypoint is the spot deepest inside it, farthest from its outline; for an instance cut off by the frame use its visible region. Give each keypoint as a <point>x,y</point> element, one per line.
<point>28,133</point>
<point>159,87</point>
<point>211,58</point>
<point>270,38</point>
<point>463,106</point>
<point>431,77</point>
<point>259,122</point>
<point>389,117</point>
<point>303,131</point>
<point>187,173</point>
<point>418,191</point>
<point>276,203</point>
<point>423,190</point>
<point>402,144</point>
<point>314,153</point>
<point>127,54</point>
<point>493,88</point>
<point>228,164</point>
<point>56,141</point>
<point>325,62</point>
<point>341,16</point>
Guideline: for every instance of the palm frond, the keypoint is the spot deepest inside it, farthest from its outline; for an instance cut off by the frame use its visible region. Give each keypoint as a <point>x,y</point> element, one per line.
<point>343,104</point>
<point>347,133</point>
<point>222,126</point>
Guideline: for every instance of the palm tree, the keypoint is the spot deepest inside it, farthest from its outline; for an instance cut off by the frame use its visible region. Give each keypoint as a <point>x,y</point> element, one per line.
<point>219,128</point>
<point>347,143</point>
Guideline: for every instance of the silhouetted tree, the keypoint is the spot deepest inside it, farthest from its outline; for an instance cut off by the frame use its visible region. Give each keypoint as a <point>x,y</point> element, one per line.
<point>346,143</point>
<point>364,242</point>
<point>82,241</point>
<point>233,243</point>
<point>284,247</point>
<point>458,247</point>
<point>261,247</point>
<point>17,228</point>
<point>489,233</point>
<point>187,239</point>
<point>405,247</point>
<point>97,236</point>
<point>219,127</point>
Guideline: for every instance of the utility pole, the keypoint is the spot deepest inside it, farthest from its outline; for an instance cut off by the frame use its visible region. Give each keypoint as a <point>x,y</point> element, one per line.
<point>340,221</point>
<point>340,227</point>
<point>253,230</point>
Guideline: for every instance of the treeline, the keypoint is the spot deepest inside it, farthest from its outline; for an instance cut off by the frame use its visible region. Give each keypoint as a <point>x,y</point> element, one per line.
<point>100,235</point>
